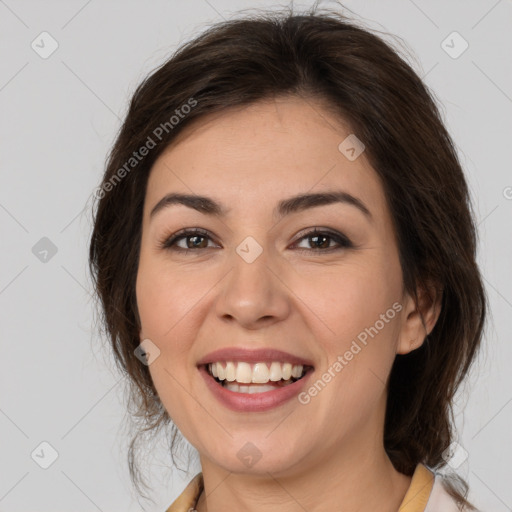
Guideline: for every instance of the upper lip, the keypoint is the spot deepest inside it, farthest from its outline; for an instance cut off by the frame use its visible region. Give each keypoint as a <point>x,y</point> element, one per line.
<point>260,355</point>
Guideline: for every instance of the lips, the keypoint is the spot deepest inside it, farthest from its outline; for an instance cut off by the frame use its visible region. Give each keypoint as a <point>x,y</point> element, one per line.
<point>257,402</point>
<point>262,355</point>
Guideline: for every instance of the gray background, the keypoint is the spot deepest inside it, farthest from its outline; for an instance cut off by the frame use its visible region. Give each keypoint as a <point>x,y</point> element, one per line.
<point>59,116</point>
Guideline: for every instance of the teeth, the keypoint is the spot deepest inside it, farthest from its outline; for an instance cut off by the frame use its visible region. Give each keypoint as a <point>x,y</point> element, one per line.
<point>221,372</point>
<point>243,372</point>
<point>239,388</point>
<point>287,371</point>
<point>258,373</point>
<point>276,372</point>
<point>230,371</point>
<point>296,371</point>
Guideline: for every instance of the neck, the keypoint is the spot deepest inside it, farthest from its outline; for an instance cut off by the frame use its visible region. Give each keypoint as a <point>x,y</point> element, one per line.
<point>355,472</point>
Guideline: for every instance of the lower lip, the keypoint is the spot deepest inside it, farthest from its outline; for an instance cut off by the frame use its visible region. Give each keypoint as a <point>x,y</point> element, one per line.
<point>243,402</point>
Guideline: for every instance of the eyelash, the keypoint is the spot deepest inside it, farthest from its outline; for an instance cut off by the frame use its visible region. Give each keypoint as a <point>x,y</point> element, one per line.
<point>170,241</point>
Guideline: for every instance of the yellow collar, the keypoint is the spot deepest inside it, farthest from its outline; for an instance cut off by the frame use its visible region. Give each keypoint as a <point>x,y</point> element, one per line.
<point>187,500</point>
<point>416,497</point>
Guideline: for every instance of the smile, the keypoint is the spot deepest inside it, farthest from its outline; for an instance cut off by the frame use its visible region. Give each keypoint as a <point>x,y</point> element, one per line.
<point>241,372</point>
<point>242,386</point>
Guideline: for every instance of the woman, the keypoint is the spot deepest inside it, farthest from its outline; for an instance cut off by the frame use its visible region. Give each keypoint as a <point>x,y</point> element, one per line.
<point>284,250</point>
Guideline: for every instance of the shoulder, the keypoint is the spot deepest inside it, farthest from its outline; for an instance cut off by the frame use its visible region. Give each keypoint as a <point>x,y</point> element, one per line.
<point>440,500</point>
<point>187,500</point>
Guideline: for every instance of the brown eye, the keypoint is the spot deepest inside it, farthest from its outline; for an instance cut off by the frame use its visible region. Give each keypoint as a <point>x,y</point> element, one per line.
<point>320,241</point>
<point>194,239</point>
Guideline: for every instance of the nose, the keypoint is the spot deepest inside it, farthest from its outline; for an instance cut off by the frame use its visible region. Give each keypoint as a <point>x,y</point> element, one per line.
<point>253,294</point>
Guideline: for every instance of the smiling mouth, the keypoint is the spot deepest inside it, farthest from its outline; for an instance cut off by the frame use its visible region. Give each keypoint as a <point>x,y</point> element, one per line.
<point>257,378</point>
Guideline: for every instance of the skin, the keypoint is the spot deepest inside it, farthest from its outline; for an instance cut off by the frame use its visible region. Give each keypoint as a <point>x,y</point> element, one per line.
<point>313,304</point>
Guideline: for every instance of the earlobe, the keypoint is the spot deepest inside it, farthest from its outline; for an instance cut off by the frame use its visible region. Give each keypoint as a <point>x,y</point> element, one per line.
<point>418,320</point>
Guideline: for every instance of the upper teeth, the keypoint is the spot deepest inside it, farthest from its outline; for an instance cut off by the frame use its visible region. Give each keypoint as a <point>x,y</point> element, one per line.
<point>258,373</point>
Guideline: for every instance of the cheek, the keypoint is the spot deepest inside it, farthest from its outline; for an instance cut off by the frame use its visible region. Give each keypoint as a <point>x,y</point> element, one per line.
<point>359,310</point>
<point>164,298</point>
<point>172,306</point>
<point>350,299</point>
<point>359,354</point>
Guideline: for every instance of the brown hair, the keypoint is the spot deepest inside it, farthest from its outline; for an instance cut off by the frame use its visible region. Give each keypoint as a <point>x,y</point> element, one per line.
<point>358,76</point>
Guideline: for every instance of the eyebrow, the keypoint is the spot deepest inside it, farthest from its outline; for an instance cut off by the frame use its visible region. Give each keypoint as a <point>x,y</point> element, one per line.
<point>209,206</point>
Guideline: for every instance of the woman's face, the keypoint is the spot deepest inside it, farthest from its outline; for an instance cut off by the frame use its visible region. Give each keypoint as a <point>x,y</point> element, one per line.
<point>256,277</point>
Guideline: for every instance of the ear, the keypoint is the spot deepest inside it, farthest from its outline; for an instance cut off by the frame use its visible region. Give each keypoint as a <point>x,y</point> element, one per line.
<point>414,328</point>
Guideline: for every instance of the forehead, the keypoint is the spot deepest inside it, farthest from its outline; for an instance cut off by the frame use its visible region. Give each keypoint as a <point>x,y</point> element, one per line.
<point>258,154</point>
